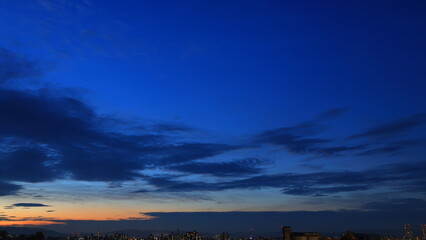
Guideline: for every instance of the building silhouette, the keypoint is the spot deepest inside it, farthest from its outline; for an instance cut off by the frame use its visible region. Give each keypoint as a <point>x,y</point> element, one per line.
<point>287,234</point>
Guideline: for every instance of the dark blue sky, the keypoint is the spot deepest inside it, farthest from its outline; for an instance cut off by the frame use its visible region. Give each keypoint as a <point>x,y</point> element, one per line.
<point>195,106</point>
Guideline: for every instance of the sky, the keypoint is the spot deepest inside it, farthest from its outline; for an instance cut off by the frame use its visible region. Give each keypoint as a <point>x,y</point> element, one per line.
<point>212,115</point>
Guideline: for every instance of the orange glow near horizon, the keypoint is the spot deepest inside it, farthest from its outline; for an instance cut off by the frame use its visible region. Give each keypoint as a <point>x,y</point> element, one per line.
<point>19,223</point>
<point>27,223</point>
<point>20,218</point>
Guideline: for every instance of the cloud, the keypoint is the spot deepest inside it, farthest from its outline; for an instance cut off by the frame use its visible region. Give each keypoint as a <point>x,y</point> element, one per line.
<point>330,151</point>
<point>399,205</point>
<point>393,128</point>
<point>11,221</point>
<point>30,205</point>
<point>291,140</point>
<point>391,147</point>
<point>79,143</point>
<point>14,67</point>
<point>330,113</point>
<point>55,135</point>
<point>171,127</point>
<point>248,166</point>
<point>323,191</point>
<point>26,205</point>
<point>68,130</point>
<point>169,184</point>
<point>301,138</point>
<point>380,150</point>
<point>192,151</point>
<point>26,165</point>
<point>8,188</point>
<point>402,176</point>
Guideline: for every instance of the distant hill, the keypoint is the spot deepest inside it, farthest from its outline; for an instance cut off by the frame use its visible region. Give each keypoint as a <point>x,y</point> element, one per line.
<point>30,230</point>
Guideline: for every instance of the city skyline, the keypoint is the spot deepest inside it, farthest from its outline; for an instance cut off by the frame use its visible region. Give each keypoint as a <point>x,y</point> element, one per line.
<point>225,114</point>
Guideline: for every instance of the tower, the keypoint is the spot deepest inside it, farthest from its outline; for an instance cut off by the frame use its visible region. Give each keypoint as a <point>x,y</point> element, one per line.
<point>408,234</point>
<point>286,233</point>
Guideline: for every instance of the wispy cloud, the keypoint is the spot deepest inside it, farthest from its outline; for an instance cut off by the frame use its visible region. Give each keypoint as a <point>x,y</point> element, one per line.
<point>396,127</point>
<point>408,176</point>
<point>302,138</point>
<point>248,166</point>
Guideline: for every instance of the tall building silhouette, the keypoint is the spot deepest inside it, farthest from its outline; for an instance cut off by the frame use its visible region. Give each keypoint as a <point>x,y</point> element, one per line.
<point>408,233</point>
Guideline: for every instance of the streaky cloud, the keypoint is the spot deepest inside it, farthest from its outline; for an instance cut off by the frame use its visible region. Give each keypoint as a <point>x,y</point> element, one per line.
<point>392,147</point>
<point>407,176</point>
<point>301,138</point>
<point>242,167</point>
<point>399,205</point>
<point>393,128</point>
